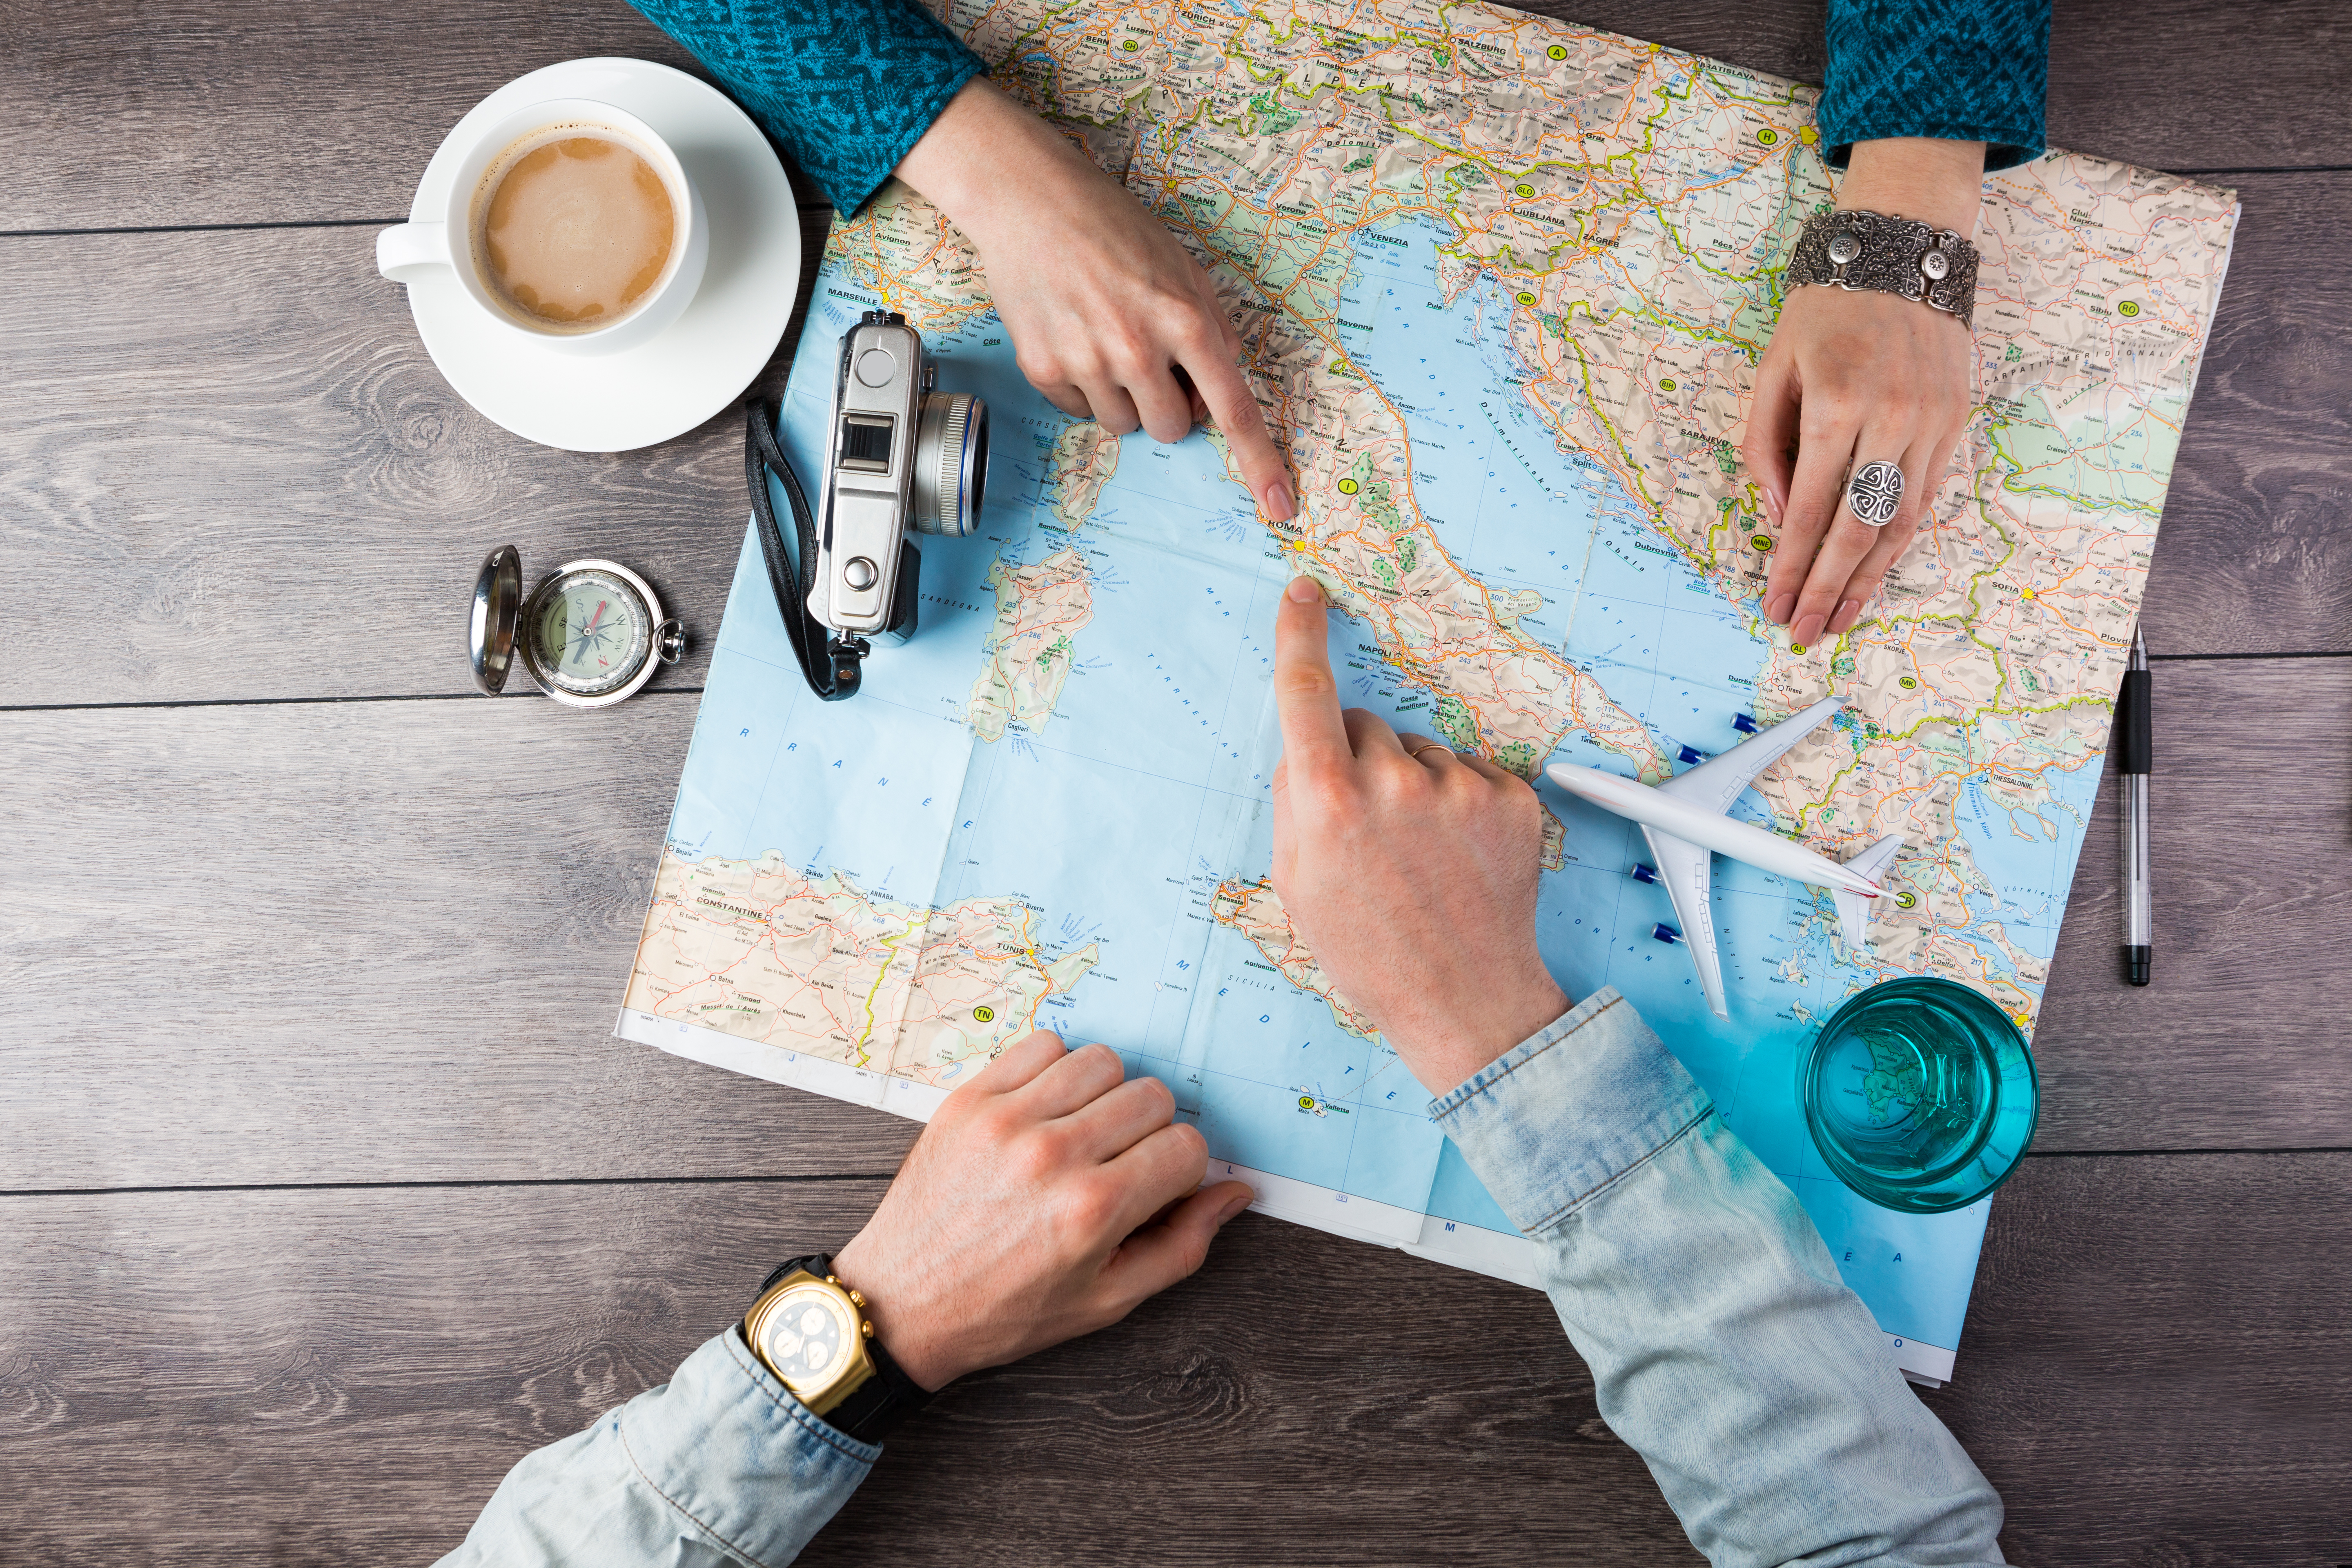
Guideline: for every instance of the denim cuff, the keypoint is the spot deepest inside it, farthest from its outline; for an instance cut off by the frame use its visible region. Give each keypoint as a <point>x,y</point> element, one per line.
<point>1555,1120</point>
<point>729,1447</point>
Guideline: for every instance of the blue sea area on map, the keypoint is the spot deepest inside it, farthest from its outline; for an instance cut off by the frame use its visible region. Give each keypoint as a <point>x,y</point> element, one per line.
<point>1116,821</point>
<point>1520,512</point>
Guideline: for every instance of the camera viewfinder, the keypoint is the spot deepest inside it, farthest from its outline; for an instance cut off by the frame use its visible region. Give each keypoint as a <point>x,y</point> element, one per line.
<point>866,442</point>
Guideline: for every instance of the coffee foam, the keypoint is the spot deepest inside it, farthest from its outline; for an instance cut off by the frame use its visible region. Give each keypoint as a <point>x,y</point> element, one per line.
<point>573,228</point>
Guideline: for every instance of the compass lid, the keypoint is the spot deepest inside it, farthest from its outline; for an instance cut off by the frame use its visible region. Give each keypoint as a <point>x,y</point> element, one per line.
<point>498,604</point>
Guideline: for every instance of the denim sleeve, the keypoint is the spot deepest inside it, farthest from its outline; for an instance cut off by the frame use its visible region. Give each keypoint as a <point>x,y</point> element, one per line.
<point>1962,70</point>
<point>719,1465</point>
<point>847,86</point>
<point>1723,1345</point>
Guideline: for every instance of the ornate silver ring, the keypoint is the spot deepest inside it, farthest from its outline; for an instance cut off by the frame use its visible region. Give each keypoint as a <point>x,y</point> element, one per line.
<point>1876,492</point>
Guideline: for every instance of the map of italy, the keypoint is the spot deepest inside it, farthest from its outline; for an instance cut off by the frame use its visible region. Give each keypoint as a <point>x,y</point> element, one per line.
<point>1501,284</point>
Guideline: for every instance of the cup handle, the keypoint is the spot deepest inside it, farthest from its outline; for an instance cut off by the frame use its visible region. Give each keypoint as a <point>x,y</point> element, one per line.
<point>403,253</point>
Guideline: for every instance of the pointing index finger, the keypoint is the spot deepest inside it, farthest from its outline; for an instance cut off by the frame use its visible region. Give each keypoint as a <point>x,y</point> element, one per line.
<point>1226,393</point>
<point>1307,696</point>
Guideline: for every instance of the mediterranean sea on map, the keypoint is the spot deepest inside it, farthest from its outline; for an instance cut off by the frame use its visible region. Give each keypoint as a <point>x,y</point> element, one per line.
<point>1501,285</point>
<point>1118,819</point>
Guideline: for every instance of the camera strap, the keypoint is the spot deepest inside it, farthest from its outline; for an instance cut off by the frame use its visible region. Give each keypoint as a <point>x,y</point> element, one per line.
<point>827,658</point>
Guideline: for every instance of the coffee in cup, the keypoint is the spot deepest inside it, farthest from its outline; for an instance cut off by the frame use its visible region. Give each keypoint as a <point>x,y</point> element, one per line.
<point>568,224</point>
<point>574,229</point>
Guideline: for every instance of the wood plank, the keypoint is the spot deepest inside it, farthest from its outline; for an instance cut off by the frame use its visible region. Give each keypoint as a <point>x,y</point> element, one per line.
<point>212,470</point>
<point>188,112</point>
<point>242,477</point>
<point>2252,556</point>
<point>2252,887</point>
<point>336,1378</point>
<point>357,943</point>
<point>384,942</point>
<point>2153,1372</point>
<point>133,114</point>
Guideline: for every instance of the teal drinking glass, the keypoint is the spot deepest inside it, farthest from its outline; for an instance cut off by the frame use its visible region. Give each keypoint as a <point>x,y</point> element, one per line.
<point>1920,1095</point>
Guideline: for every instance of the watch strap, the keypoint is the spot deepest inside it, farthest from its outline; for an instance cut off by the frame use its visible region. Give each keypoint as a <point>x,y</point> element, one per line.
<point>875,1408</point>
<point>1859,249</point>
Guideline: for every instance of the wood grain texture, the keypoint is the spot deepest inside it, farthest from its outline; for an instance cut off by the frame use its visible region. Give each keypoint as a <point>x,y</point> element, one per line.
<point>384,942</point>
<point>2252,555</point>
<point>228,468</point>
<point>2251,857</point>
<point>132,114</point>
<point>212,444</point>
<point>2153,1371</point>
<point>188,113</point>
<point>356,943</point>
<point>331,1378</point>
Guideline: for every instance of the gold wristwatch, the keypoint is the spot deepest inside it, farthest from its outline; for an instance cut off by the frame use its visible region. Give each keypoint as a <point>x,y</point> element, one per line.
<point>812,1331</point>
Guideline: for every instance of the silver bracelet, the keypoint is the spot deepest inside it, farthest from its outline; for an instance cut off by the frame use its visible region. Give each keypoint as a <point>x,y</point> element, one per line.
<point>1893,255</point>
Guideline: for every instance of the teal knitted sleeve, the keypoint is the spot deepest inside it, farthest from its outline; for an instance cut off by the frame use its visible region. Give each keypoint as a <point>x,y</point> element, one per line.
<point>1964,71</point>
<point>847,86</point>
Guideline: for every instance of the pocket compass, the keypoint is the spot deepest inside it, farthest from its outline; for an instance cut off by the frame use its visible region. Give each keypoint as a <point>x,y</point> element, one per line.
<point>588,635</point>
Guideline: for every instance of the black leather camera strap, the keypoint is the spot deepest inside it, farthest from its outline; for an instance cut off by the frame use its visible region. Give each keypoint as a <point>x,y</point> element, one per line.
<point>828,659</point>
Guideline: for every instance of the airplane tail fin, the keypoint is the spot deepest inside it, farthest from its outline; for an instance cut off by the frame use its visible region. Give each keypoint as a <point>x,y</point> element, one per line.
<point>1852,909</point>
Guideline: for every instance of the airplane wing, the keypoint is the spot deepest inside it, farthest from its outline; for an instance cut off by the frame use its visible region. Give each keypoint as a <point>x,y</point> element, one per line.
<point>1717,781</point>
<point>1852,909</point>
<point>1689,873</point>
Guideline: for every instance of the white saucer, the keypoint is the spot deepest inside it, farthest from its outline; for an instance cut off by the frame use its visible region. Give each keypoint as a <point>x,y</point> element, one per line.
<point>633,397</point>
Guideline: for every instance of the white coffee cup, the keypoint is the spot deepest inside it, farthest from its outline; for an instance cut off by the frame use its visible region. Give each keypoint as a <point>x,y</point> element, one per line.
<point>454,240</point>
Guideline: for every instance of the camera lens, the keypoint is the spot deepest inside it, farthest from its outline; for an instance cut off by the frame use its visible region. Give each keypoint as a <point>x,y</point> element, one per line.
<point>950,463</point>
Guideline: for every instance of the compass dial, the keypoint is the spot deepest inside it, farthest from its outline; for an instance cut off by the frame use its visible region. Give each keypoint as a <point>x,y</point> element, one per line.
<point>591,632</point>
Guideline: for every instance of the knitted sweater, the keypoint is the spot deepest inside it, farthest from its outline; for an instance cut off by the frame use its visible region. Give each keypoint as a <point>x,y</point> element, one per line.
<point>849,85</point>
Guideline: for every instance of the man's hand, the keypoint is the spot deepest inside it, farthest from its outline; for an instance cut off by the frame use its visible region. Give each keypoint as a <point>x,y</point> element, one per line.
<point>1855,378</point>
<point>1045,1201</point>
<point>1409,872</point>
<point>1104,307</point>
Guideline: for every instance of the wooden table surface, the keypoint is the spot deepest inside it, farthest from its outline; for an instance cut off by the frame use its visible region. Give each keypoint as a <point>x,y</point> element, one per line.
<point>326,1194</point>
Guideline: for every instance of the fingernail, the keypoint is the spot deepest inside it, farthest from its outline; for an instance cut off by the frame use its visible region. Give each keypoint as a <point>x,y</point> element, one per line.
<point>1803,633</point>
<point>1772,505</point>
<point>1777,612</point>
<point>1843,620</point>
<point>1306,591</point>
<point>1235,1206</point>
<point>1277,503</point>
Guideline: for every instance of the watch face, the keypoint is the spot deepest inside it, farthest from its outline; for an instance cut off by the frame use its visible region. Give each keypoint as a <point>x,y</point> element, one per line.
<point>806,1335</point>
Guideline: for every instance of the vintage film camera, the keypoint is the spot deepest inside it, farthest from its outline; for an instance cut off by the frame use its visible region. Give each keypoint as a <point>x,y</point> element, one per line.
<point>901,458</point>
<point>904,457</point>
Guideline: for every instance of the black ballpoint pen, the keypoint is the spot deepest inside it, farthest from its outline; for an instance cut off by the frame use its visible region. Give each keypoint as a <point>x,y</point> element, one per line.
<point>2133,745</point>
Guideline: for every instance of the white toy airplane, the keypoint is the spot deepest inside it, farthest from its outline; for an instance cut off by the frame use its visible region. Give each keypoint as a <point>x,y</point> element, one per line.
<point>1683,821</point>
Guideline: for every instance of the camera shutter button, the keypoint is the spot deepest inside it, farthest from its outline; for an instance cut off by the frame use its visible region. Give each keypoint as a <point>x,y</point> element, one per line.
<point>875,367</point>
<point>859,572</point>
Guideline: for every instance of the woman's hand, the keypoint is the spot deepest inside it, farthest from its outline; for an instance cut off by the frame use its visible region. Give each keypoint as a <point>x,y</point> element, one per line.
<point>1855,378</point>
<point>1109,317</point>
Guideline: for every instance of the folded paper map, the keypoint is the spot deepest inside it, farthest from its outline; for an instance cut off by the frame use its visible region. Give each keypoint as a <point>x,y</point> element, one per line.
<point>1503,284</point>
